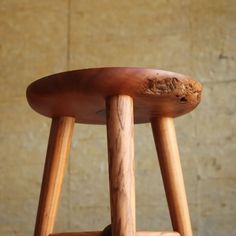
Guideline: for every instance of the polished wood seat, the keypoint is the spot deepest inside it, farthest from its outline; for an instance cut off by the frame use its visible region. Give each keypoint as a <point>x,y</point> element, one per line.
<point>117,97</point>
<point>82,93</point>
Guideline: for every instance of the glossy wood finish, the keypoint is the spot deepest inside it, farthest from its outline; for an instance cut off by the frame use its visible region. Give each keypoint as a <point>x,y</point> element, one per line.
<point>118,97</point>
<point>99,233</point>
<point>168,154</point>
<point>56,159</point>
<point>82,93</point>
<point>120,134</point>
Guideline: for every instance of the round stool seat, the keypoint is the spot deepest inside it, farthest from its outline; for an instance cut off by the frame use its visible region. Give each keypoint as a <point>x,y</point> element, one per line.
<point>82,93</point>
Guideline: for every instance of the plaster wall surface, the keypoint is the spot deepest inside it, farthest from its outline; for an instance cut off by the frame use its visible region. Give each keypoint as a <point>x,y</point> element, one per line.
<point>43,37</point>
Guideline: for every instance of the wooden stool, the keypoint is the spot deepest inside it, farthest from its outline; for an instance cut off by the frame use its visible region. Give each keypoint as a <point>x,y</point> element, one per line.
<point>117,97</point>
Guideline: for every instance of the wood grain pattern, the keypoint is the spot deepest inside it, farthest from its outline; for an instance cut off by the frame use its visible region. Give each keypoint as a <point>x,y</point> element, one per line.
<point>82,93</point>
<point>99,233</point>
<point>56,159</point>
<point>120,132</point>
<point>168,154</point>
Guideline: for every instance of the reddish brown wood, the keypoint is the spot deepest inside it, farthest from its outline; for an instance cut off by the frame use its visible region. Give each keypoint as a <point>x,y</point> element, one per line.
<point>117,97</point>
<point>98,233</point>
<point>120,134</point>
<point>82,93</point>
<point>168,154</point>
<point>56,159</point>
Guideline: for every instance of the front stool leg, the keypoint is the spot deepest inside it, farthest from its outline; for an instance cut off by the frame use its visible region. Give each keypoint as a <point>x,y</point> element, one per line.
<point>120,134</point>
<point>56,159</point>
<point>168,154</point>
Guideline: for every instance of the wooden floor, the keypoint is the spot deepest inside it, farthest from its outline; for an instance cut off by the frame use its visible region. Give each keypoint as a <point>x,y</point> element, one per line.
<point>98,233</point>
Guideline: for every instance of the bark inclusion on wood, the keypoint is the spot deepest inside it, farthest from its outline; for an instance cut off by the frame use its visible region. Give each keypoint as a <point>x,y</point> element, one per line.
<point>161,86</point>
<point>184,90</point>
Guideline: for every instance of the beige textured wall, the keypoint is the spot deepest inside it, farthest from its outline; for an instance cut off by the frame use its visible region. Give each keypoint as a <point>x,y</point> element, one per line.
<point>38,38</point>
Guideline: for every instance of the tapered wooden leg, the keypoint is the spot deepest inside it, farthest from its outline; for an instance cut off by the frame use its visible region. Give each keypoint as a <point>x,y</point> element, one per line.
<point>120,132</point>
<point>168,154</point>
<point>56,159</point>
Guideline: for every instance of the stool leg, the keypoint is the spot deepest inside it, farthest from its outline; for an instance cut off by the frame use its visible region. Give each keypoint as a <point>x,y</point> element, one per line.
<point>120,134</point>
<point>168,154</point>
<point>56,159</point>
